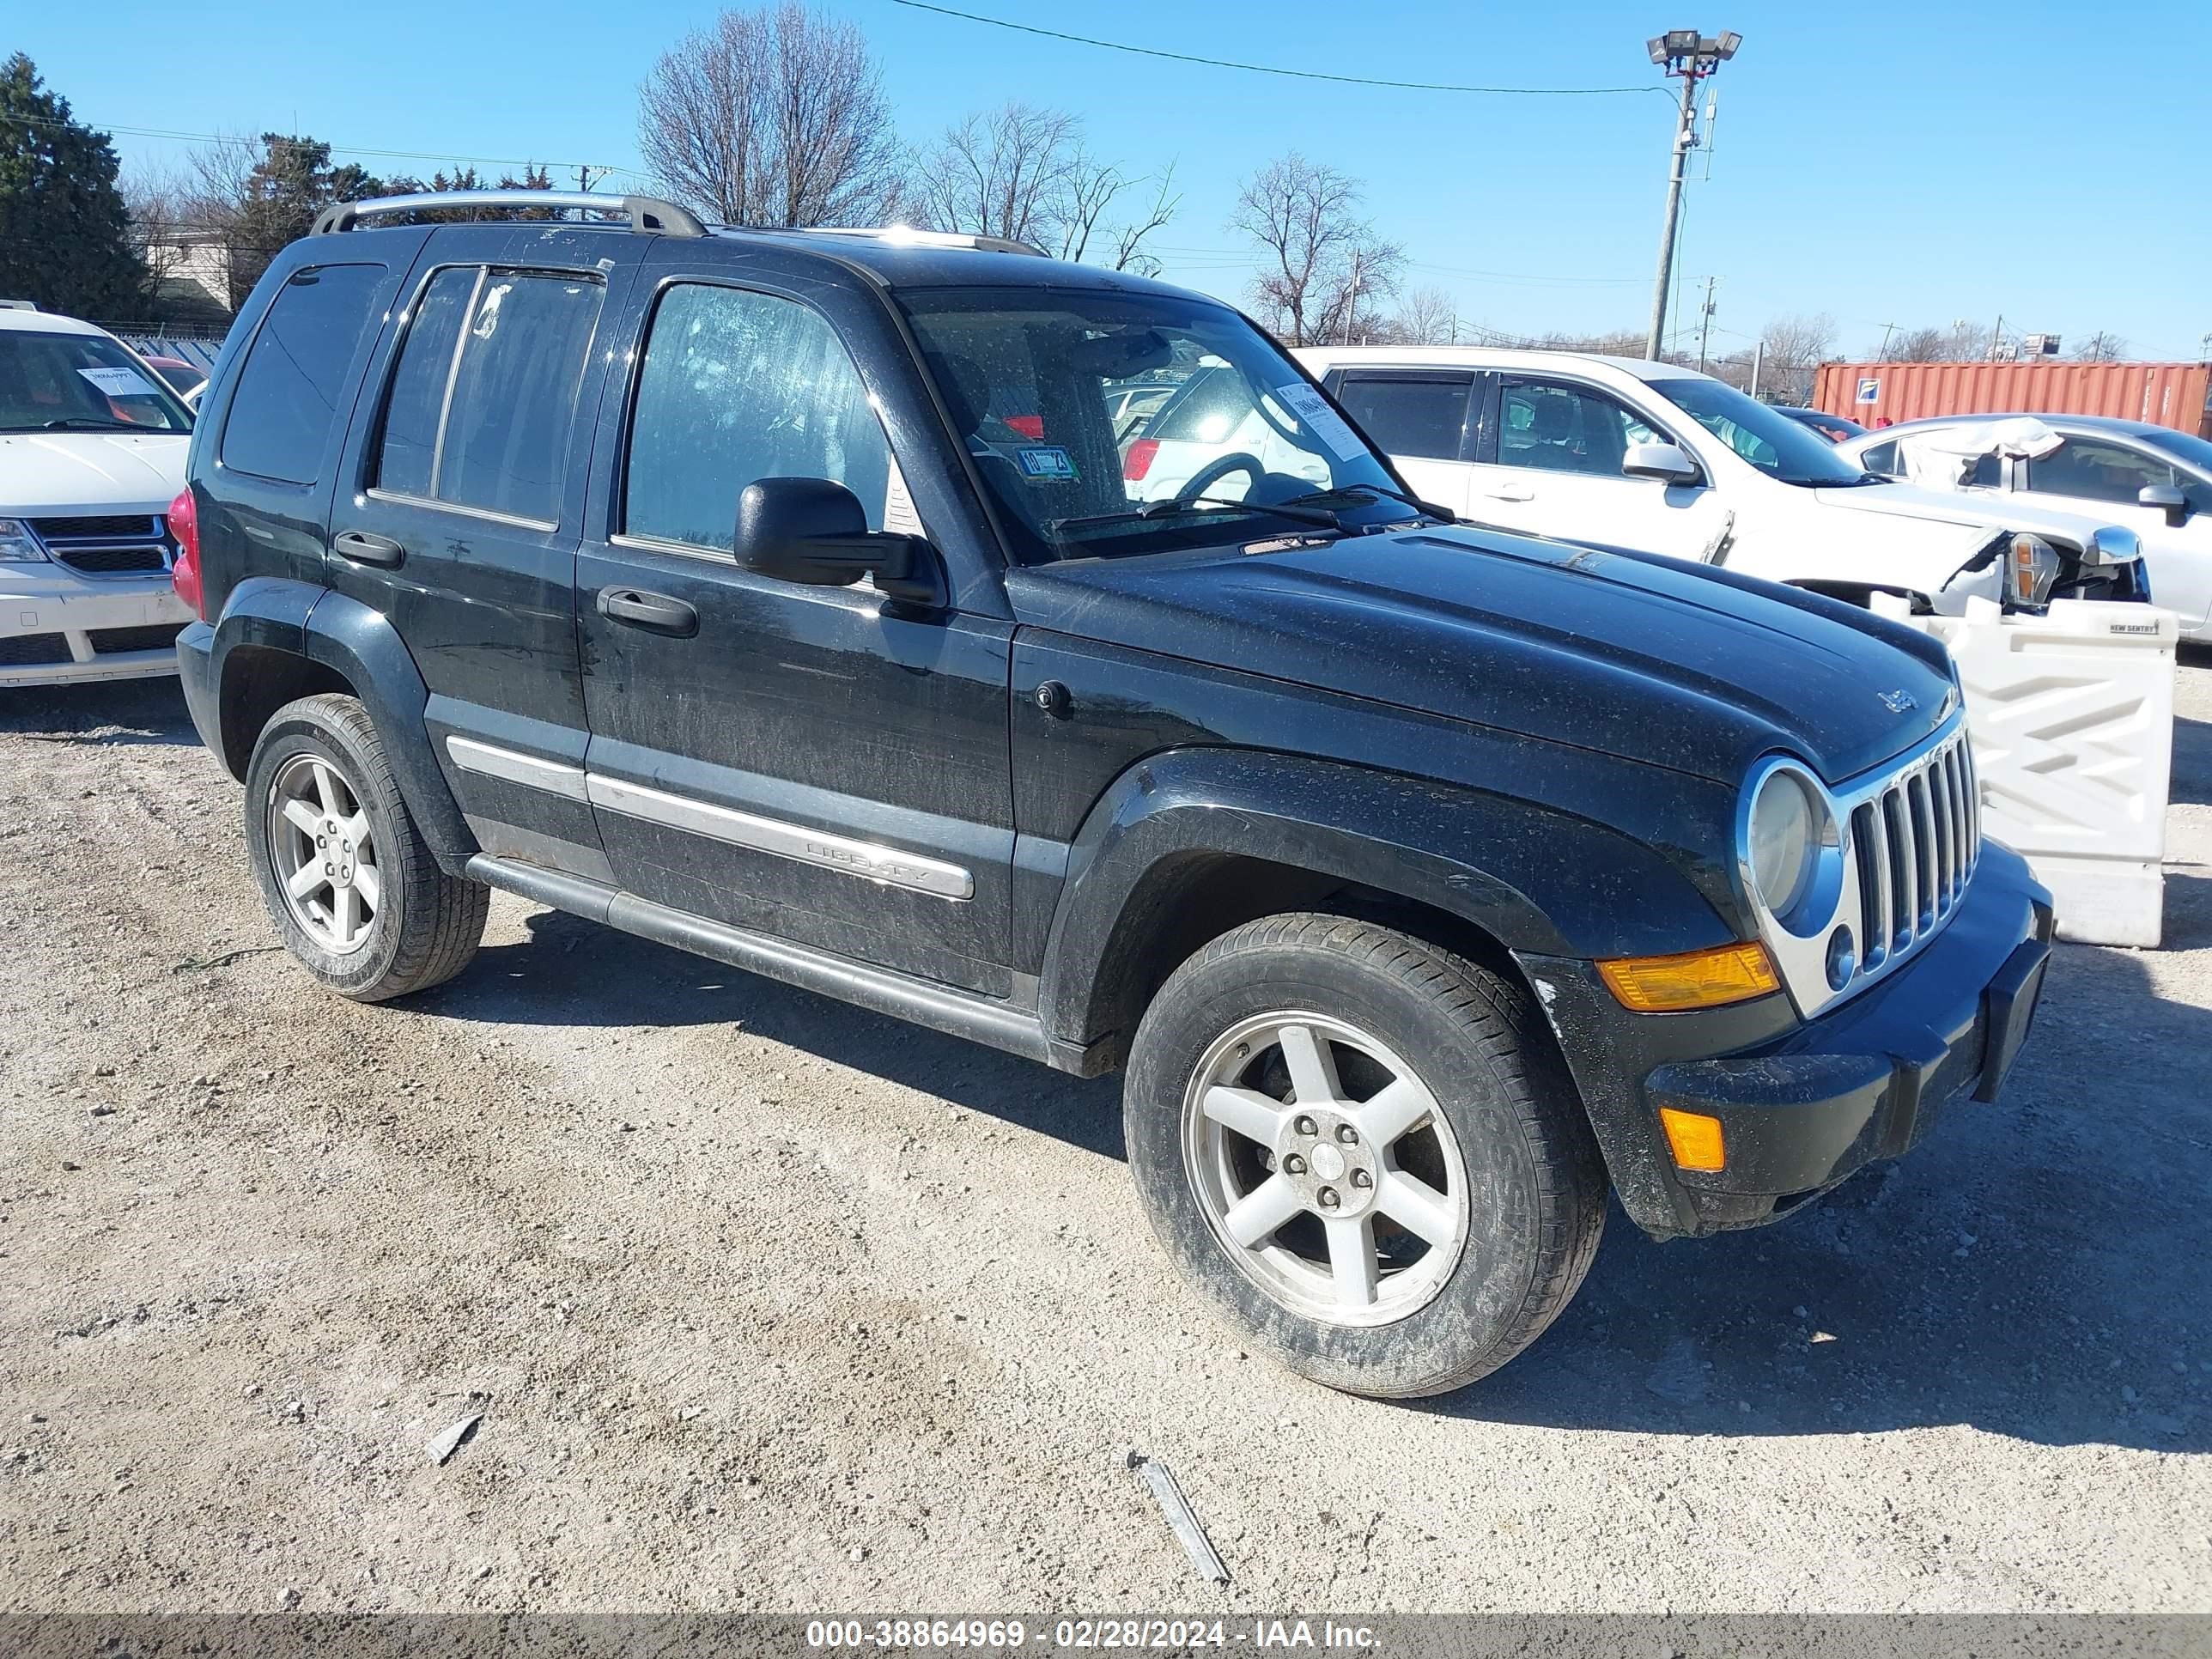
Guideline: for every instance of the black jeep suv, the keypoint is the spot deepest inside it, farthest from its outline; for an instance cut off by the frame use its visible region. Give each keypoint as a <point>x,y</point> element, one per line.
<point>793,599</point>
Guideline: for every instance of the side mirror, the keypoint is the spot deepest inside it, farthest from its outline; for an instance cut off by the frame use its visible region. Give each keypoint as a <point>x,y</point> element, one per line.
<point>2166,499</point>
<point>816,531</point>
<point>1665,462</point>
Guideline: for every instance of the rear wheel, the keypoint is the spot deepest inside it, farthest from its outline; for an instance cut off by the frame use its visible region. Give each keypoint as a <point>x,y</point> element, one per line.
<point>1360,1146</point>
<point>355,891</point>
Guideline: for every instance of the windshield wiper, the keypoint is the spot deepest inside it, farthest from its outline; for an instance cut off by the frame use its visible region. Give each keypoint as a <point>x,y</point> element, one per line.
<point>1414,502</point>
<point>1173,506</point>
<point>93,423</point>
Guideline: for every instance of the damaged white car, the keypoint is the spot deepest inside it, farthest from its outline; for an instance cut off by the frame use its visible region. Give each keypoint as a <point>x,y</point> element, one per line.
<point>1622,452</point>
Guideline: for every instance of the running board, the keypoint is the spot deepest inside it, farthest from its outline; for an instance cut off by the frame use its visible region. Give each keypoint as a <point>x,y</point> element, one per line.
<point>979,1020</point>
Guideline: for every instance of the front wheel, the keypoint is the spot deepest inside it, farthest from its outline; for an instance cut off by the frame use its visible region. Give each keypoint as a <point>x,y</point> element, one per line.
<point>348,878</point>
<point>1360,1146</point>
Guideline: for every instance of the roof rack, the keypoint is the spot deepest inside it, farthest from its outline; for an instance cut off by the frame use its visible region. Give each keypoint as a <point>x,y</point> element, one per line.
<point>645,213</point>
<point>908,235</point>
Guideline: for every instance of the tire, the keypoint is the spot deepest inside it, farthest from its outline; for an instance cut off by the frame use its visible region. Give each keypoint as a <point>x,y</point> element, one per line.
<point>1497,1133</point>
<point>412,925</point>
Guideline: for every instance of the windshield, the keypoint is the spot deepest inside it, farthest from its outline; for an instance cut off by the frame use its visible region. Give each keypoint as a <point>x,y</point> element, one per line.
<point>1765,437</point>
<point>1096,419</point>
<point>81,383</point>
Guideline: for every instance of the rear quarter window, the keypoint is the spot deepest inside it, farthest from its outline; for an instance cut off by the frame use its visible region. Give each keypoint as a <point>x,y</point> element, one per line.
<point>287,401</point>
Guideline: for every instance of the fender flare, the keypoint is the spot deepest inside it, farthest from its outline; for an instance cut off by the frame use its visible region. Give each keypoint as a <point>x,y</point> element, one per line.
<point>361,646</point>
<point>1533,877</point>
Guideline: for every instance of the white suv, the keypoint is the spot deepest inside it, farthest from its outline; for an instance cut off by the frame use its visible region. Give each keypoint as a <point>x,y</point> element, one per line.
<point>1633,454</point>
<point>91,452</point>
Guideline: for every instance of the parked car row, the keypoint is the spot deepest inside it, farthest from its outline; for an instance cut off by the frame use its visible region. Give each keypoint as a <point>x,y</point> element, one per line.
<point>1039,654</point>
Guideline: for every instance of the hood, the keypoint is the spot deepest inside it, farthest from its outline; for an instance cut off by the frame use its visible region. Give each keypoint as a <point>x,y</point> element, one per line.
<point>57,474</point>
<point>1981,515</point>
<point>1650,658</point>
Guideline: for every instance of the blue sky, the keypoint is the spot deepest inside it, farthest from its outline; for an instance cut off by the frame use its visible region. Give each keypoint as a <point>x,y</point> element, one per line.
<point>2041,162</point>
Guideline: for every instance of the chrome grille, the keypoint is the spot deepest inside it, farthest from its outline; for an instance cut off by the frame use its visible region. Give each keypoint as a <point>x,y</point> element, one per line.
<point>117,544</point>
<point>1915,838</point>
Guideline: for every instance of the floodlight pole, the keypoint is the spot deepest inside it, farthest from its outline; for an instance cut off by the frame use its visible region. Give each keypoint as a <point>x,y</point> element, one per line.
<point>1692,56</point>
<point>1684,135</point>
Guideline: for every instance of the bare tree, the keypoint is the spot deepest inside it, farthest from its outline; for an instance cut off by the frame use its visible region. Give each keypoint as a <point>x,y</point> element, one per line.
<point>1025,173</point>
<point>1793,349</point>
<point>163,228</point>
<point>2102,347</point>
<point>1429,317</point>
<point>1959,342</point>
<point>1324,262</point>
<point>775,117</point>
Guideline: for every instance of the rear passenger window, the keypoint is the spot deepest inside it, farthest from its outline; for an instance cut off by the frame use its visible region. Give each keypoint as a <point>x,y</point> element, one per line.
<point>485,395</point>
<point>1420,418</point>
<point>739,386</point>
<point>286,400</point>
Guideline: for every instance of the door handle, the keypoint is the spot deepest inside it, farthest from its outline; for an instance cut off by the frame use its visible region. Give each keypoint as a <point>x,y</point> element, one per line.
<point>1511,492</point>
<point>363,547</point>
<point>656,612</point>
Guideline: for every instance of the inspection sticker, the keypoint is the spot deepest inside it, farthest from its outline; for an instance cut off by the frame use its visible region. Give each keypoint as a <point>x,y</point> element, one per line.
<point>1324,422</point>
<point>1048,462</point>
<point>118,382</point>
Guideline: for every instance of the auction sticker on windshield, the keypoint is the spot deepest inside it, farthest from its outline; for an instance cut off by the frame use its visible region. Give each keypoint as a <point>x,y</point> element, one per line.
<point>118,382</point>
<point>1048,461</point>
<point>1324,422</point>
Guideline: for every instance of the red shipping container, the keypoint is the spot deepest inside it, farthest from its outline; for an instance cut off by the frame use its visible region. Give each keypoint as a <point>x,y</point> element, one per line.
<point>2178,395</point>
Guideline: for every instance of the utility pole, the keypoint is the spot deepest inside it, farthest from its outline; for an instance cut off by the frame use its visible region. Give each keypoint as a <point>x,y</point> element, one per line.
<point>1352,301</point>
<point>584,178</point>
<point>1705,328</point>
<point>1691,57</point>
<point>1758,362</point>
<point>1997,334</point>
<point>1887,329</point>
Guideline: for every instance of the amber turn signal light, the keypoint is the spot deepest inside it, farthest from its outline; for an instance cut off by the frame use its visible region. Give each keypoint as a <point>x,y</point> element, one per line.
<point>1696,1140</point>
<point>1696,979</point>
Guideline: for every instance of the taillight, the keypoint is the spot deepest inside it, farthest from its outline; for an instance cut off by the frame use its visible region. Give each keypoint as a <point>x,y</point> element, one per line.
<point>185,574</point>
<point>1138,461</point>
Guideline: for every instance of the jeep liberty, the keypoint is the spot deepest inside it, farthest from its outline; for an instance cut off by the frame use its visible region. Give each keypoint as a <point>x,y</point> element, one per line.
<point>780,596</point>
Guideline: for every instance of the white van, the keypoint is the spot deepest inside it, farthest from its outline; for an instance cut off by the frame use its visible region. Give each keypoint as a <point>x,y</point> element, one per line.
<point>91,452</point>
<point>1627,454</point>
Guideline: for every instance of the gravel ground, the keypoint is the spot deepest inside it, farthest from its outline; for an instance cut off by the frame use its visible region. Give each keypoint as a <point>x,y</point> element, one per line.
<point>774,1304</point>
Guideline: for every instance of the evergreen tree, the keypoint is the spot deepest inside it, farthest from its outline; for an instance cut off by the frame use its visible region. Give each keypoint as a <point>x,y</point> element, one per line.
<point>292,181</point>
<point>64,235</point>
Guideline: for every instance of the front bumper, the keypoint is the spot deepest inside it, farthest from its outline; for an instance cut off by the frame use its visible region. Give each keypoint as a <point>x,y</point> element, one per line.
<point>57,627</point>
<point>1804,1105</point>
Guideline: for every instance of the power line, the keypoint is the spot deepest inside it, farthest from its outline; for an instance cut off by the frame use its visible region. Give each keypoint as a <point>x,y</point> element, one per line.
<point>295,141</point>
<point>1270,68</point>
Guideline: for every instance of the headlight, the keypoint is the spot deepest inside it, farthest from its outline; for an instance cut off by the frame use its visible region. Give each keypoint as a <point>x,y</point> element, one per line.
<point>17,544</point>
<point>2032,568</point>
<point>1784,822</point>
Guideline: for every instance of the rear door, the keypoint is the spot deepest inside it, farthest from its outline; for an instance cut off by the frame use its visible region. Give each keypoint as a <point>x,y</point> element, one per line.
<point>1428,422</point>
<point>1551,466</point>
<point>814,762</point>
<point>466,473</point>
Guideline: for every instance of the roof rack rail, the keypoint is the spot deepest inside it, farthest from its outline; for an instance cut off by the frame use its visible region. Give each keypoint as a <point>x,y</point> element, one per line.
<point>909,236</point>
<point>645,213</point>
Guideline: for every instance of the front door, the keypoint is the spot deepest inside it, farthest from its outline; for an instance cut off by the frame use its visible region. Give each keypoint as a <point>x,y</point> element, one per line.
<point>2100,478</point>
<point>1426,421</point>
<point>1552,467</point>
<point>812,762</point>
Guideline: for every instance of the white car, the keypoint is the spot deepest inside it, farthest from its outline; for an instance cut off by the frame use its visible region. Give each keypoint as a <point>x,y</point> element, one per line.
<point>91,452</point>
<point>1631,454</point>
<point>2153,479</point>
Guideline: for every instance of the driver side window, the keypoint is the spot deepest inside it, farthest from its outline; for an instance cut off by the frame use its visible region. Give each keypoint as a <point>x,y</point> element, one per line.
<point>1551,427</point>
